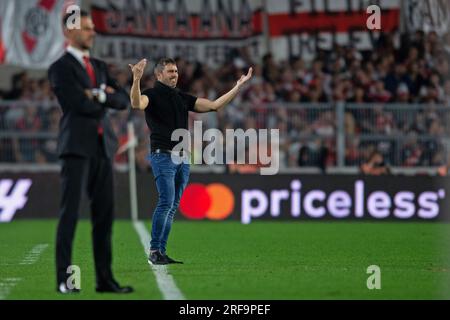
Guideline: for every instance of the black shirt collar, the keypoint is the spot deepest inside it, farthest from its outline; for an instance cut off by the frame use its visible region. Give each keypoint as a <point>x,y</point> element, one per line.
<point>165,88</point>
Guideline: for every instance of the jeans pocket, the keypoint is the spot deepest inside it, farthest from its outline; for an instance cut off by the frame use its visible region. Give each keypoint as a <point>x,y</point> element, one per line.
<point>158,157</point>
<point>161,162</point>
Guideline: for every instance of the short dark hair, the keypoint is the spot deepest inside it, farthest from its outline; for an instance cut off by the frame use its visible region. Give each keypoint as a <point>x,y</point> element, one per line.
<point>161,64</point>
<point>67,16</point>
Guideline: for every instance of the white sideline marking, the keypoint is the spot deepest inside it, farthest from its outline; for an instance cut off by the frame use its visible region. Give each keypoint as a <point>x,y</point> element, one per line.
<point>7,284</point>
<point>165,281</point>
<point>34,254</point>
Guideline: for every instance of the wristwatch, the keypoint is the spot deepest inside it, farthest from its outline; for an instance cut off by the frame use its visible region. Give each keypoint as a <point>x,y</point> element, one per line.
<point>100,94</point>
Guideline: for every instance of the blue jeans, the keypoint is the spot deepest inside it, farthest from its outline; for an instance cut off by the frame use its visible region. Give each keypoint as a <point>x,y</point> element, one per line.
<point>171,180</point>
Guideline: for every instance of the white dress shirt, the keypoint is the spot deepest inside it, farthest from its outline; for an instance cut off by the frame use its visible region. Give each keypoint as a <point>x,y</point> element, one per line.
<point>78,54</point>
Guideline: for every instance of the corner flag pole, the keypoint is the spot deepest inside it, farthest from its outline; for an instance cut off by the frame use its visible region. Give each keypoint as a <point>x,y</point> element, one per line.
<point>131,145</point>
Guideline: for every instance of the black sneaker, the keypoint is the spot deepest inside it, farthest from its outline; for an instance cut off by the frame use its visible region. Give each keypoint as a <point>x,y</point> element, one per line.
<point>157,258</point>
<point>172,261</point>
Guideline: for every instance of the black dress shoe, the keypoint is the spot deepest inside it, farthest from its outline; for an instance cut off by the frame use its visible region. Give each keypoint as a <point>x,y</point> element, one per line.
<point>113,287</point>
<point>62,288</point>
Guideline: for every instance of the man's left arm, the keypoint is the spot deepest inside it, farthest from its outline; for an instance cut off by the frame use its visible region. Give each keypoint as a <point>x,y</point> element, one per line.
<point>205,105</point>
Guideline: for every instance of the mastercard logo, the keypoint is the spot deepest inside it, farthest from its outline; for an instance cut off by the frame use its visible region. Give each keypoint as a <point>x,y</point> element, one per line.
<point>214,201</point>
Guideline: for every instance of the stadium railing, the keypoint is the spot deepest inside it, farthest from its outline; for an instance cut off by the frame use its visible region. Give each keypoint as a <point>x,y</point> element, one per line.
<point>313,136</point>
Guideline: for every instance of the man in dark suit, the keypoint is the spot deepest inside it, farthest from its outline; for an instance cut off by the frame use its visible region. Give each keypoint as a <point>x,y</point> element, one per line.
<point>86,146</point>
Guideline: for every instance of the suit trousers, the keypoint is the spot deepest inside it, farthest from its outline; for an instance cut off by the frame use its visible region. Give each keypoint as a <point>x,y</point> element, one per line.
<point>95,176</point>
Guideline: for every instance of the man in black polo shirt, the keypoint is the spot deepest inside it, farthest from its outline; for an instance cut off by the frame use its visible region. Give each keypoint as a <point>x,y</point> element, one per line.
<point>166,109</point>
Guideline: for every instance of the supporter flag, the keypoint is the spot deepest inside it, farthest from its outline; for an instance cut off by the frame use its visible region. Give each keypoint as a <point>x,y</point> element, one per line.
<point>31,32</point>
<point>2,47</point>
<point>426,15</point>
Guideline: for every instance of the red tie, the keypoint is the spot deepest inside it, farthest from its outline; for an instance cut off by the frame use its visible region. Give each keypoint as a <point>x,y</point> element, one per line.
<point>91,74</point>
<point>90,70</point>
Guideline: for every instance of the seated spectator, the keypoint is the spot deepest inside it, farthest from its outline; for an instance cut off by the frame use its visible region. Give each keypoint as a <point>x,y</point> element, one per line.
<point>393,79</point>
<point>246,168</point>
<point>402,94</point>
<point>446,98</point>
<point>313,154</point>
<point>378,93</point>
<point>49,145</point>
<point>27,149</point>
<point>412,152</point>
<point>6,151</point>
<point>375,165</point>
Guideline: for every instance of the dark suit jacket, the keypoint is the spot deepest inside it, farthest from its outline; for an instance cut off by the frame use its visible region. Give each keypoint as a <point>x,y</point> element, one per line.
<point>78,132</point>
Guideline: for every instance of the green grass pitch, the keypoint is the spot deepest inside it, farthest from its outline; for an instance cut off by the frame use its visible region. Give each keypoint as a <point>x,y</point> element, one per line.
<point>263,260</point>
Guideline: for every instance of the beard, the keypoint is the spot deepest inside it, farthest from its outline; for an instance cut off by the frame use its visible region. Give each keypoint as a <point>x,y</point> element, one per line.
<point>86,44</point>
<point>171,83</point>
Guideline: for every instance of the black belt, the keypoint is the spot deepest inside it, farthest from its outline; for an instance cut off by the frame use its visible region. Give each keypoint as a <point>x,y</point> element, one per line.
<point>180,153</point>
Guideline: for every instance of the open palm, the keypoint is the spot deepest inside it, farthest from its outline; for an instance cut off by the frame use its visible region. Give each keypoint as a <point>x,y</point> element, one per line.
<point>138,69</point>
<point>245,78</point>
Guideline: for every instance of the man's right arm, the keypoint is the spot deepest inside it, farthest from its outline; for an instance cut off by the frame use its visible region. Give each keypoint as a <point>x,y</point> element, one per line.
<point>138,101</point>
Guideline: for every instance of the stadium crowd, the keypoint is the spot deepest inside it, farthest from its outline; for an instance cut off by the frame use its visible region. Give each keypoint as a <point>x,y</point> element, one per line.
<point>405,91</point>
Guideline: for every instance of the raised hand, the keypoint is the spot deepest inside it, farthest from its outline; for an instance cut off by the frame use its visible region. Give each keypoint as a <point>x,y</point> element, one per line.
<point>245,78</point>
<point>138,69</point>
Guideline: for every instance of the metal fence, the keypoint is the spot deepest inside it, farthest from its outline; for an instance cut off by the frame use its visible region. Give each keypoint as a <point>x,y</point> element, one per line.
<point>408,135</point>
<point>328,135</point>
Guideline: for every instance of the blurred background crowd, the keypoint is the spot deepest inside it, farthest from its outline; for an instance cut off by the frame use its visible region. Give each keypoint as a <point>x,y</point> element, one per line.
<point>394,102</point>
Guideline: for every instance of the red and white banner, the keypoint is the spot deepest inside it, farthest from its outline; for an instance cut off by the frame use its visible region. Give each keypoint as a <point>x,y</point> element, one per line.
<point>301,27</point>
<point>31,32</point>
<point>206,30</point>
<point>198,30</point>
